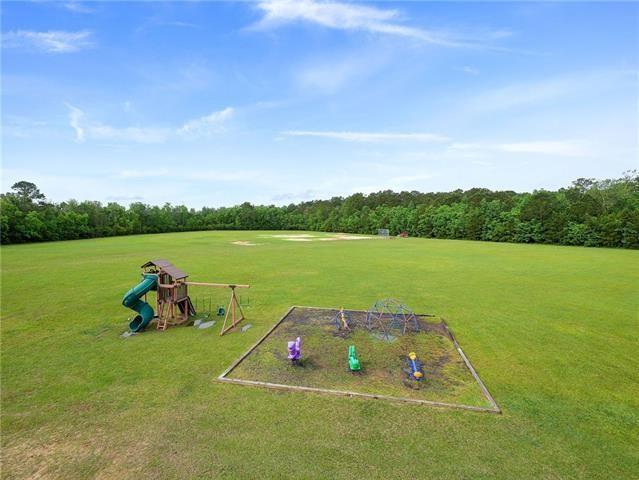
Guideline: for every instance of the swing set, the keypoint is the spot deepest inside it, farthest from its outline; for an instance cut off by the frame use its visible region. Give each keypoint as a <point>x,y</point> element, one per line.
<point>234,304</point>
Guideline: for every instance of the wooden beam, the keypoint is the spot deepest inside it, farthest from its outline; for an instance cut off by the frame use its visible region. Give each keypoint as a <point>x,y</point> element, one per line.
<point>227,285</point>
<point>358,394</point>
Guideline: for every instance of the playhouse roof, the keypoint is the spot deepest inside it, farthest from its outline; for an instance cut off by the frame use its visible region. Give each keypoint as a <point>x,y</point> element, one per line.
<point>167,267</point>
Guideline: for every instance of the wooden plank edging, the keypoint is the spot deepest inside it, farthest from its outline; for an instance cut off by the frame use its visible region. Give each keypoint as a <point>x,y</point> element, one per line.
<point>483,388</point>
<point>356,394</point>
<point>254,346</point>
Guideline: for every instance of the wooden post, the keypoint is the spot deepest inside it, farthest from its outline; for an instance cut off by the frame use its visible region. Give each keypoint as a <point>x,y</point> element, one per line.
<point>233,305</point>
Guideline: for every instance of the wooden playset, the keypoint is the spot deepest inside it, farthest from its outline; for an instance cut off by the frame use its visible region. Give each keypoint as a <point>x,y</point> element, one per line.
<point>173,304</point>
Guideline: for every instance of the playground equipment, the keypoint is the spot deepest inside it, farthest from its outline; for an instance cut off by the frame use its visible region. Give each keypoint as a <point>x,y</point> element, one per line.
<point>172,291</point>
<point>389,315</point>
<point>295,351</point>
<point>210,304</point>
<point>132,300</point>
<point>415,367</point>
<point>342,320</point>
<point>353,359</point>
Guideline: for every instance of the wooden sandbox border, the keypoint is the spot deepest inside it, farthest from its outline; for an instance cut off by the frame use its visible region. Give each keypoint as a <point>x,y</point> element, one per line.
<point>493,409</point>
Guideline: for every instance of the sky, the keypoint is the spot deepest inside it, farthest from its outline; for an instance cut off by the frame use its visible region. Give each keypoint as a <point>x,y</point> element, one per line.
<point>274,102</point>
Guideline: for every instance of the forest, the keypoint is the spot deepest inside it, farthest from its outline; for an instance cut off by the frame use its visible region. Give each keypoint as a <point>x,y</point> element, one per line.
<point>590,212</point>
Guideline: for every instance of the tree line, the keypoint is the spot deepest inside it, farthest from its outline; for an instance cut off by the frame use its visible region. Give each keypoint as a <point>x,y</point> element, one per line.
<point>592,213</point>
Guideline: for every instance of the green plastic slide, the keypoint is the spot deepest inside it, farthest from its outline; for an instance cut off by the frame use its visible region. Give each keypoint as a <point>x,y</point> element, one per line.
<point>132,300</point>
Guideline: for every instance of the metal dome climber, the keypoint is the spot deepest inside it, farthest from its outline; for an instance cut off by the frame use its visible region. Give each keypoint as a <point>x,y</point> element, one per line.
<point>389,315</point>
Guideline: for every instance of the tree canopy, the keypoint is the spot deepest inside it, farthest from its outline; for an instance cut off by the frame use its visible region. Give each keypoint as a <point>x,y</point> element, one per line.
<point>593,213</point>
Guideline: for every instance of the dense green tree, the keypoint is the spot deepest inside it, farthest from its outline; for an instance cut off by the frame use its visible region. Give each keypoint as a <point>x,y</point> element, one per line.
<point>27,194</point>
<point>590,212</point>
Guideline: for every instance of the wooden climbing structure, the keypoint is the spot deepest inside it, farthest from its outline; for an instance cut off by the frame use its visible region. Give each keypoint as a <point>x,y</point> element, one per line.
<point>174,306</point>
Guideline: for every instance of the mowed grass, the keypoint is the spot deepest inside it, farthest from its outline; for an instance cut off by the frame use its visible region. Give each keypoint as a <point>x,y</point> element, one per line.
<point>552,332</point>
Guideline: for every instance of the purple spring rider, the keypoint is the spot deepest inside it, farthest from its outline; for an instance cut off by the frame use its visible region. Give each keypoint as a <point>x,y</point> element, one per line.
<point>295,351</point>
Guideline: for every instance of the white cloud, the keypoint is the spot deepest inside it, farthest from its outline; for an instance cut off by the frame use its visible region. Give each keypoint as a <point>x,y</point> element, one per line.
<point>501,33</point>
<point>160,22</point>
<point>128,134</point>
<point>53,41</point>
<point>558,148</point>
<point>470,70</point>
<point>361,177</point>
<point>368,136</point>
<point>179,24</point>
<point>62,186</point>
<point>292,197</point>
<point>481,163</point>
<point>200,176</point>
<point>522,94</point>
<point>76,118</point>
<point>559,96</point>
<point>77,7</point>
<point>207,125</point>
<point>191,130</point>
<point>124,198</point>
<point>328,75</point>
<point>96,131</point>
<point>551,89</point>
<point>228,176</point>
<point>22,127</point>
<point>346,16</point>
<point>410,179</point>
<point>149,173</point>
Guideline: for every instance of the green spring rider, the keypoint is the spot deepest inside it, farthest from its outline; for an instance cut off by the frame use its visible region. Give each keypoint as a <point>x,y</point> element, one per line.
<point>353,361</point>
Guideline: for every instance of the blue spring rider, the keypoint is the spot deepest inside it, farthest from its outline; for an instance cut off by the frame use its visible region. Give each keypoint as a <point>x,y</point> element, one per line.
<point>415,366</point>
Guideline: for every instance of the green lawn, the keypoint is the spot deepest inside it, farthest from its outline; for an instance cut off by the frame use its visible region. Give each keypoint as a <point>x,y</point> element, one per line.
<point>552,331</point>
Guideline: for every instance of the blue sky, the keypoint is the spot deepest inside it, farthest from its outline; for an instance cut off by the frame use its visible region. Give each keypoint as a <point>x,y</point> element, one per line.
<point>216,103</point>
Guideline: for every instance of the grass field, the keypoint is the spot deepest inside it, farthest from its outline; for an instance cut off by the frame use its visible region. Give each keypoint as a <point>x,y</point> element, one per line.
<point>552,332</point>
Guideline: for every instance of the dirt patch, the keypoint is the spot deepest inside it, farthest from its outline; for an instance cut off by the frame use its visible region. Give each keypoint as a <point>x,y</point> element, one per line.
<point>343,237</point>
<point>305,237</point>
<point>244,243</point>
<point>309,316</point>
<point>291,235</point>
<point>352,237</point>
